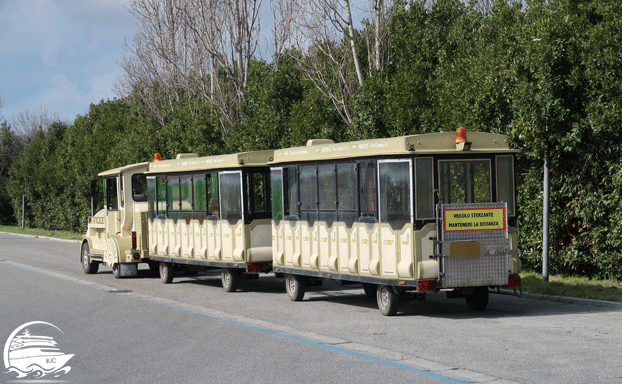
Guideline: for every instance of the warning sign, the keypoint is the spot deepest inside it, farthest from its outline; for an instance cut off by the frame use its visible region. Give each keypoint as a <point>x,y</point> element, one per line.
<point>474,219</point>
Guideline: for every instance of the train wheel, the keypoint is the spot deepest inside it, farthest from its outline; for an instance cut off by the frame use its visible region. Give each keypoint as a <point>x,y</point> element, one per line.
<point>388,300</point>
<point>370,290</point>
<point>478,300</point>
<point>116,271</point>
<point>295,286</point>
<point>166,272</point>
<point>88,266</point>
<point>230,279</point>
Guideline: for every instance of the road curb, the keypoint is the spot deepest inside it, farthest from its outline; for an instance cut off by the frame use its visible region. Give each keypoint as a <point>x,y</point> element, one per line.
<point>564,299</point>
<point>40,237</point>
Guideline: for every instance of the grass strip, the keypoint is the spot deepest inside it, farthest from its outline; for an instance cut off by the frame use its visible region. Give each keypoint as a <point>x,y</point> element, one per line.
<point>67,235</point>
<point>572,286</point>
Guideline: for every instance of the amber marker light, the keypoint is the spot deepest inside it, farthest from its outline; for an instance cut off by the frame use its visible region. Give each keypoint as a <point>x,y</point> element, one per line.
<point>461,135</point>
<point>157,157</point>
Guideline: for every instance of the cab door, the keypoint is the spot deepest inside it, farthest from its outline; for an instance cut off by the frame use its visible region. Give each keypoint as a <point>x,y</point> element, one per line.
<point>111,204</point>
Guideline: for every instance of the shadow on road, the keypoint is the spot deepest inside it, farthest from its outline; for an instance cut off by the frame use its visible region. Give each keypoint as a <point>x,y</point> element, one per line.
<point>435,305</point>
<point>438,305</point>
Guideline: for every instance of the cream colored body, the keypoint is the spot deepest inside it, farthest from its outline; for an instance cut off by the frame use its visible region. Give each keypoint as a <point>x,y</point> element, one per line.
<point>379,251</point>
<point>212,241</point>
<point>362,251</point>
<point>109,232</point>
<point>376,253</point>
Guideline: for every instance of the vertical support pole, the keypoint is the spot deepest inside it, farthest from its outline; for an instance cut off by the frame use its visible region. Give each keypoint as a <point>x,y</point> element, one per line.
<point>545,217</point>
<point>23,211</point>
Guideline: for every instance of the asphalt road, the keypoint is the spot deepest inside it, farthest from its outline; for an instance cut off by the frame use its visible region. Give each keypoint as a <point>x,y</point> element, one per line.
<point>139,330</point>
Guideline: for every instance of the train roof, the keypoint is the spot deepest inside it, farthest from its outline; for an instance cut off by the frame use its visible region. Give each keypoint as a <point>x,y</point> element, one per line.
<point>191,162</point>
<point>125,168</point>
<point>422,144</point>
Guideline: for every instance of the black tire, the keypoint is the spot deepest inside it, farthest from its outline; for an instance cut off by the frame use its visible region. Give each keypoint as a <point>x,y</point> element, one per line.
<point>116,271</point>
<point>230,279</point>
<point>370,290</point>
<point>295,286</point>
<point>478,300</point>
<point>89,267</point>
<point>166,272</point>
<point>388,300</point>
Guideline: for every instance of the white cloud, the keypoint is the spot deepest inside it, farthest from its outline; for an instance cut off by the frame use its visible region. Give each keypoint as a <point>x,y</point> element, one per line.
<point>66,97</point>
<point>60,54</point>
<point>51,28</point>
<point>33,27</point>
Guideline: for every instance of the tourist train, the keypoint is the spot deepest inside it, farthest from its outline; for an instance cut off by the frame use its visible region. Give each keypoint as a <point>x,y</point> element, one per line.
<point>421,213</point>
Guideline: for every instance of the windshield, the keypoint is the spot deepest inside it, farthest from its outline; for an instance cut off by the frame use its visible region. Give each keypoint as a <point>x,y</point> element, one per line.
<point>465,181</point>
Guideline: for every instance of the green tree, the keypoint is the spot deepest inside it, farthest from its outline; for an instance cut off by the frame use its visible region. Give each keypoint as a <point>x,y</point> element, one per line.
<point>271,95</point>
<point>10,147</point>
<point>35,175</point>
<point>424,48</point>
<point>567,97</point>
<point>313,117</point>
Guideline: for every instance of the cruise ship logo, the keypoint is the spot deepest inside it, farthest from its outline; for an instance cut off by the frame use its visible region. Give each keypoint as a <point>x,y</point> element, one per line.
<point>35,356</point>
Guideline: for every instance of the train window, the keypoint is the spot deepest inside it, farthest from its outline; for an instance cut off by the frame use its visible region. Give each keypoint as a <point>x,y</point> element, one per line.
<point>185,197</point>
<point>199,197</point>
<point>326,186</point>
<point>346,186</point>
<point>424,176</point>
<point>276,189</point>
<point>327,191</point>
<point>231,207</point>
<point>394,191</point>
<point>139,187</point>
<point>213,205</point>
<point>346,193</point>
<point>151,193</point>
<point>368,187</point>
<point>110,194</point>
<point>161,193</point>
<point>257,183</point>
<point>173,201</point>
<point>185,190</point>
<point>465,181</point>
<point>290,204</point>
<point>308,188</point>
<point>505,182</point>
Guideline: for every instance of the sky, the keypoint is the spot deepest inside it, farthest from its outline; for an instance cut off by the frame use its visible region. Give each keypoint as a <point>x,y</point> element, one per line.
<point>60,55</point>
